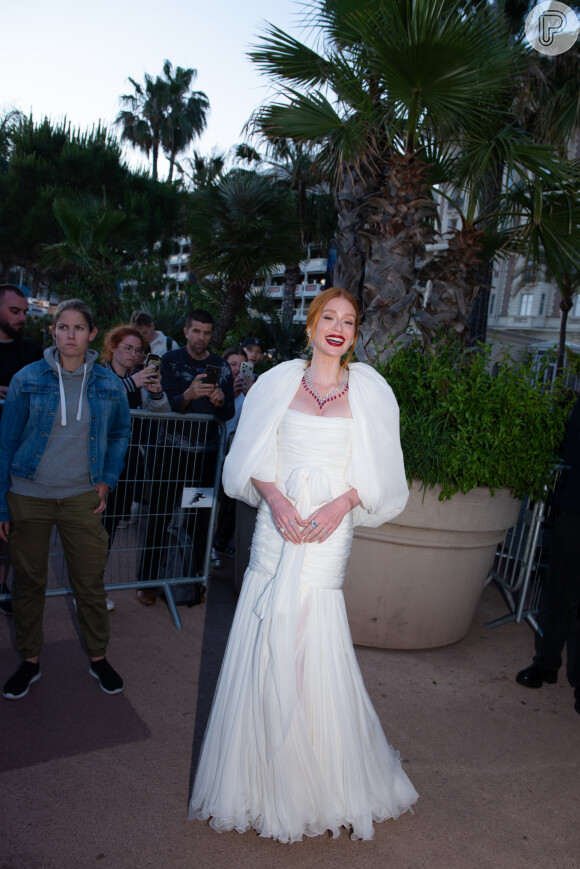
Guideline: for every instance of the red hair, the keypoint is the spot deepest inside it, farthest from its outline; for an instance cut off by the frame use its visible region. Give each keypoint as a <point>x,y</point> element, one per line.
<point>317,306</point>
<point>114,337</point>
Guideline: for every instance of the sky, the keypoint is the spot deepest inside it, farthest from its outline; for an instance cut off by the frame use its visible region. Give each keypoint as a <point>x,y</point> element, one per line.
<point>71,58</point>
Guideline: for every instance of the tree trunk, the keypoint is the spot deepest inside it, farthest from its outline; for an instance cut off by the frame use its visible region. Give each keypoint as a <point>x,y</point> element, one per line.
<point>357,183</point>
<point>155,150</point>
<point>385,220</point>
<point>453,280</point>
<point>565,306</point>
<point>232,307</point>
<point>291,275</point>
<point>171,166</point>
<point>479,312</point>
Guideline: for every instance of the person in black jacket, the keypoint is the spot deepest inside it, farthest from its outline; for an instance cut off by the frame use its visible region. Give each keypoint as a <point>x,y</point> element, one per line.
<point>16,351</point>
<point>561,623</point>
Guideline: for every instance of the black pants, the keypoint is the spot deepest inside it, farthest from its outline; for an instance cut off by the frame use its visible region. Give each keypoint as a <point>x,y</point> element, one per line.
<point>120,499</point>
<point>173,469</point>
<point>560,622</point>
<point>226,521</point>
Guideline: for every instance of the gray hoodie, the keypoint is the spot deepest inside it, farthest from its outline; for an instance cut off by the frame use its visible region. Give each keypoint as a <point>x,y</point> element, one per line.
<point>63,471</point>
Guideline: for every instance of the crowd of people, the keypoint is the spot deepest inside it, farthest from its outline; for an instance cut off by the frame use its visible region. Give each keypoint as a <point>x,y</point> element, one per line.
<point>293,745</point>
<point>71,457</point>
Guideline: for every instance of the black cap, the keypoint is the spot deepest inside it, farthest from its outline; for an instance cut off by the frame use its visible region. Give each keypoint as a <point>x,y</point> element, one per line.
<point>251,342</point>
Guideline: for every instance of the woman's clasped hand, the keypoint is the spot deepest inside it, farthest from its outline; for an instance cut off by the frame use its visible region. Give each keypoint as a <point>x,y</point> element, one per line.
<point>317,527</point>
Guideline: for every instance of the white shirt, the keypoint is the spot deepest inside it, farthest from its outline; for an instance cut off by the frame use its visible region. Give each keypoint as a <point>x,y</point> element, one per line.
<point>232,423</point>
<point>159,344</point>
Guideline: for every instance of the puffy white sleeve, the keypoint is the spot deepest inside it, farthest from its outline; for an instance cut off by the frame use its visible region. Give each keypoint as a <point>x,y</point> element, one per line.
<point>254,450</point>
<point>376,469</point>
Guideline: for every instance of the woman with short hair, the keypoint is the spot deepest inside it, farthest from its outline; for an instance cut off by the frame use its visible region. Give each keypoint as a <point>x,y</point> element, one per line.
<point>63,437</point>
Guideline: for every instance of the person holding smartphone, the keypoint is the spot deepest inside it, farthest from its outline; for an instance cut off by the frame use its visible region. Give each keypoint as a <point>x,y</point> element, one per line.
<point>243,375</point>
<point>253,350</point>
<point>120,353</point>
<point>195,380</point>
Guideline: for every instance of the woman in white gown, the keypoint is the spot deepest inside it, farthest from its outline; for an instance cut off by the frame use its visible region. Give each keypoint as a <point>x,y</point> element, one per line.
<point>293,745</point>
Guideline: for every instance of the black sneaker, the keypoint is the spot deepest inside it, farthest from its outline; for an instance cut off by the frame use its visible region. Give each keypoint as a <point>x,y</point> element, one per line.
<point>111,682</point>
<point>17,685</point>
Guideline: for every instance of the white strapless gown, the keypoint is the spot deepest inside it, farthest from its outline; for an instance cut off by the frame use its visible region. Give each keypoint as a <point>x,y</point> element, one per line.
<point>293,745</point>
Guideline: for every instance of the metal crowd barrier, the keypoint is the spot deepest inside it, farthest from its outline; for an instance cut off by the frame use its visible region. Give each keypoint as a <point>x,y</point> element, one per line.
<point>521,562</point>
<point>162,515</point>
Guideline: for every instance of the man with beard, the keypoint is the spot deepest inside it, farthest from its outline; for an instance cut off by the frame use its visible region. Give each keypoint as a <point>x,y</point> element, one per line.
<point>16,351</point>
<point>195,380</point>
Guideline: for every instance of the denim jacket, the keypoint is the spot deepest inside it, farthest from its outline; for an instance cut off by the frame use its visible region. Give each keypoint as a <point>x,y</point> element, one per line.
<point>30,411</point>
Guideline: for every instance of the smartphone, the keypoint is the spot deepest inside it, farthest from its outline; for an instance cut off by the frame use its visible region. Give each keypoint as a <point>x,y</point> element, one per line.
<point>154,360</point>
<point>247,369</point>
<point>212,374</point>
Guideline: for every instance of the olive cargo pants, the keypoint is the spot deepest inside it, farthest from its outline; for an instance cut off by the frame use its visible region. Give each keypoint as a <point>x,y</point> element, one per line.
<point>84,541</point>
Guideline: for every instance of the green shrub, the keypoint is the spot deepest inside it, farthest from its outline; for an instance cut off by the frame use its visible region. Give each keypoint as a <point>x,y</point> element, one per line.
<point>461,427</point>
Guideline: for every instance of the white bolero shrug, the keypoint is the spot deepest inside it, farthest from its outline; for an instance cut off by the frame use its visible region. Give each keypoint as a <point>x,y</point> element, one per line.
<point>376,468</point>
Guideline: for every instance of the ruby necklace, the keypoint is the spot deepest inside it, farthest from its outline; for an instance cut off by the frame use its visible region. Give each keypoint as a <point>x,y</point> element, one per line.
<point>340,390</point>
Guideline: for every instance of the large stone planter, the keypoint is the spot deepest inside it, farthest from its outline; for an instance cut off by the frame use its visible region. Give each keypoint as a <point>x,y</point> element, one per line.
<point>414,583</point>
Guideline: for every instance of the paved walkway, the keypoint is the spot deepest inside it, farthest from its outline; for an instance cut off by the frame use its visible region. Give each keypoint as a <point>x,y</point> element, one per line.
<point>95,781</point>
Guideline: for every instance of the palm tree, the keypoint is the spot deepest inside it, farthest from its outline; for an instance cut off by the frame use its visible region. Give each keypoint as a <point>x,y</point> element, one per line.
<point>98,238</point>
<point>240,227</point>
<point>547,102</point>
<point>162,113</point>
<point>395,90</point>
<point>186,116</point>
<point>8,123</point>
<point>543,216</point>
<point>283,340</point>
<point>295,168</point>
<point>544,230</point>
<point>142,120</point>
<point>203,171</point>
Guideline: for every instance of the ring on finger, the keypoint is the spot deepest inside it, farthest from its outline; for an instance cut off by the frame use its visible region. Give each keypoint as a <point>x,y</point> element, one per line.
<point>291,523</point>
<point>324,531</point>
<point>314,523</point>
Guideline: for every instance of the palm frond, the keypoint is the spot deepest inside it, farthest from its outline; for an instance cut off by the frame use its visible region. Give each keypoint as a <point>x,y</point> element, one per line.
<point>545,228</point>
<point>284,58</point>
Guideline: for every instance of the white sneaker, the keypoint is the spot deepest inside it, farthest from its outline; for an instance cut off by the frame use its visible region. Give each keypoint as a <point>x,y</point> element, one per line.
<point>110,604</point>
<point>215,559</point>
<point>133,518</point>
